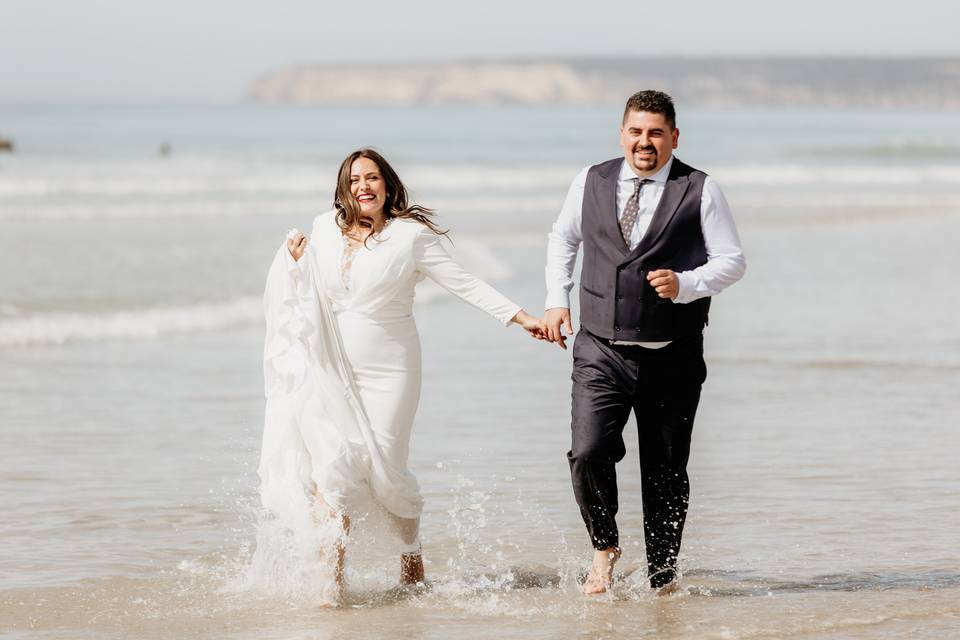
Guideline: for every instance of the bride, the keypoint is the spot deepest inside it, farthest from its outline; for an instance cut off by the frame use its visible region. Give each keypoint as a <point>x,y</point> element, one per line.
<point>342,359</point>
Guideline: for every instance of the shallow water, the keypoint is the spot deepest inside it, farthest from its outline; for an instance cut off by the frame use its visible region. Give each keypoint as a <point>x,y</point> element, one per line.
<point>824,482</point>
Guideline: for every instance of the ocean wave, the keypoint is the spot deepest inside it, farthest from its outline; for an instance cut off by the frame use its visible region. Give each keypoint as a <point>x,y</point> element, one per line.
<point>796,174</point>
<point>789,203</point>
<point>850,362</point>
<point>63,327</point>
<point>158,189</point>
<point>56,328</point>
<point>230,182</point>
<point>160,184</point>
<point>899,150</point>
<point>766,204</point>
<point>82,209</point>
<point>234,176</point>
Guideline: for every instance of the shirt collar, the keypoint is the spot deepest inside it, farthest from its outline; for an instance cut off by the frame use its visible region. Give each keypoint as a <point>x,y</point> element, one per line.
<point>627,174</point>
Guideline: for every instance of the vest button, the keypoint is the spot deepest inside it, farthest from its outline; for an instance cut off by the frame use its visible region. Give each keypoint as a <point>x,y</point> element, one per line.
<point>619,297</point>
<point>616,328</point>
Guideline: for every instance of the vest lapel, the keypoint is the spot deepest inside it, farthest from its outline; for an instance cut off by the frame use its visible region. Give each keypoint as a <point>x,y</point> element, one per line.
<point>673,192</point>
<point>607,201</point>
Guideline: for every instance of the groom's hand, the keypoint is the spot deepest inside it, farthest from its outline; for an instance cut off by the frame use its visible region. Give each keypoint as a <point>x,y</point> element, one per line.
<point>665,282</point>
<point>554,318</point>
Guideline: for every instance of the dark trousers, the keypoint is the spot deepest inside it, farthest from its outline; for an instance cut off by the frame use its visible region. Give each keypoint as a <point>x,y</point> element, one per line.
<point>662,387</point>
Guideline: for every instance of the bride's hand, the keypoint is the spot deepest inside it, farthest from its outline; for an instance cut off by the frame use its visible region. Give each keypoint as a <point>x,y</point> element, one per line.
<point>534,326</point>
<point>296,244</point>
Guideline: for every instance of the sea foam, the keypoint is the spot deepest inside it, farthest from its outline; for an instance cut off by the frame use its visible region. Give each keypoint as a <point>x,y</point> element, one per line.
<point>19,328</point>
<point>64,327</point>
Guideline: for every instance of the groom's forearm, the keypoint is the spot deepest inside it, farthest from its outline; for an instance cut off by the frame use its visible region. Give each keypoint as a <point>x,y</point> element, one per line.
<point>561,259</point>
<point>710,279</point>
<point>563,244</point>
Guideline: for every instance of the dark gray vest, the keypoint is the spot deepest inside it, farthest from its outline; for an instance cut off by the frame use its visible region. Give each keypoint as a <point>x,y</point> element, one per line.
<point>616,301</point>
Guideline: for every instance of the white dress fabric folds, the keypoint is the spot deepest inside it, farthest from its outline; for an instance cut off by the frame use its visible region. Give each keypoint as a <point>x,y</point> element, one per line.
<point>342,369</point>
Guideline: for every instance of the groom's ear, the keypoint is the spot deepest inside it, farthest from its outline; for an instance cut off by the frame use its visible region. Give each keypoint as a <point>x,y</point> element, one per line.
<point>676,137</point>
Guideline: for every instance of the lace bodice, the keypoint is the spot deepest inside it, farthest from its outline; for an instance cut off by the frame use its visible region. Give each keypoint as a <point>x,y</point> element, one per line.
<point>349,250</point>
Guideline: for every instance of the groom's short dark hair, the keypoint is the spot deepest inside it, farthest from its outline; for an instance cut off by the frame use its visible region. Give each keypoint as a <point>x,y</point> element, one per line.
<point>652,102</point>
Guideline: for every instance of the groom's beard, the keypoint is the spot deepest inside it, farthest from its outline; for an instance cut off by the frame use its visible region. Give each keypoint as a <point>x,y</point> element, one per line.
<point>645,163</point>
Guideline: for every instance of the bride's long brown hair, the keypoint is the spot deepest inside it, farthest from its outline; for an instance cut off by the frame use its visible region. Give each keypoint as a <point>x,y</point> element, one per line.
<point>395,204</point>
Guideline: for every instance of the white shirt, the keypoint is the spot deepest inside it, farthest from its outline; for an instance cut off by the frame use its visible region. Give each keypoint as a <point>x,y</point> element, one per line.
<point>725,261</point>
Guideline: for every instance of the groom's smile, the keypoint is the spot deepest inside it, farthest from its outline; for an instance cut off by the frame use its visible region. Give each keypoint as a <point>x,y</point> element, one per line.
<point>646,153</point>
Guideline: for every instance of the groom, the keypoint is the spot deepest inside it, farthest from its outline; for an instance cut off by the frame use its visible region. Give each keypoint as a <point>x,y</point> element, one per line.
<point>658,241</point>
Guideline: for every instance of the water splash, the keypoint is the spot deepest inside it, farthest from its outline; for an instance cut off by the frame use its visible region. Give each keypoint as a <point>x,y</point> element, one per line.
<point>296,563</point>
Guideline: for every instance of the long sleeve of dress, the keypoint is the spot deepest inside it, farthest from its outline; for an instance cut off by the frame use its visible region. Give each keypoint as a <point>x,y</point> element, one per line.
<point>435,262</point>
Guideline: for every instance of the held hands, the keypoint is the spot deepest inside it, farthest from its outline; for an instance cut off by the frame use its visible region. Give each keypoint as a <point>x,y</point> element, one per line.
<point>665,282</point>
<point>296,243</point>
<point>534,326</point>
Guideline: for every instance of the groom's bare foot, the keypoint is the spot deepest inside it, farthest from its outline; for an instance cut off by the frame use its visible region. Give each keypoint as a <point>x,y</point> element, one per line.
<point>601,574</point>
<point>411,568</point>
<point>669,589</point>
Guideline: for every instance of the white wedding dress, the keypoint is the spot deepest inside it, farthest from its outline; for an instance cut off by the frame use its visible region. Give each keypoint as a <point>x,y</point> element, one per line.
<point>342,369</point>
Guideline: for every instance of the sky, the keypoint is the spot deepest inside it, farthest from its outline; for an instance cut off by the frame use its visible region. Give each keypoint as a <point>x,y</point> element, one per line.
<point>208,51</point>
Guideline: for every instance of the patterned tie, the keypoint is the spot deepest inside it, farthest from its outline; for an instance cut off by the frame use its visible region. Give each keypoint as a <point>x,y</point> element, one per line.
<point>629,218</point>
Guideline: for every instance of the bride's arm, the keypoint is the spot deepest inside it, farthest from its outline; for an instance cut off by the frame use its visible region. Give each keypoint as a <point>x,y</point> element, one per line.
<point>435,262</point>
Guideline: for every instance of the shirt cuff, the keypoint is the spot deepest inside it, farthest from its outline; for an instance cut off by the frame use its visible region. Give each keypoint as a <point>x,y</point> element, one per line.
<point>686,290</point>
<point>557,300</point>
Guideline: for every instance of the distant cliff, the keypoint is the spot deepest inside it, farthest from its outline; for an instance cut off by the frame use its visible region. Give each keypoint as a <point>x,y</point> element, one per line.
<point>931,83</point>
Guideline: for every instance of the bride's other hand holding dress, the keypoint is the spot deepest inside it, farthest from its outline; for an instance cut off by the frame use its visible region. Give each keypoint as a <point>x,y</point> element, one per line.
<point>296,244</point>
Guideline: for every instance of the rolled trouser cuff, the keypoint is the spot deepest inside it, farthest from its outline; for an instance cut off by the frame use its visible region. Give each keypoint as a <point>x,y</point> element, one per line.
<point>662,577</point>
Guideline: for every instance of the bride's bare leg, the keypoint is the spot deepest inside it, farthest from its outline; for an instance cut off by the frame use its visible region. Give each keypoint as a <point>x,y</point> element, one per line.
<point>411,560</point>
<point>411,568</point>
<point>341,551</point>
<point>323,515</point>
